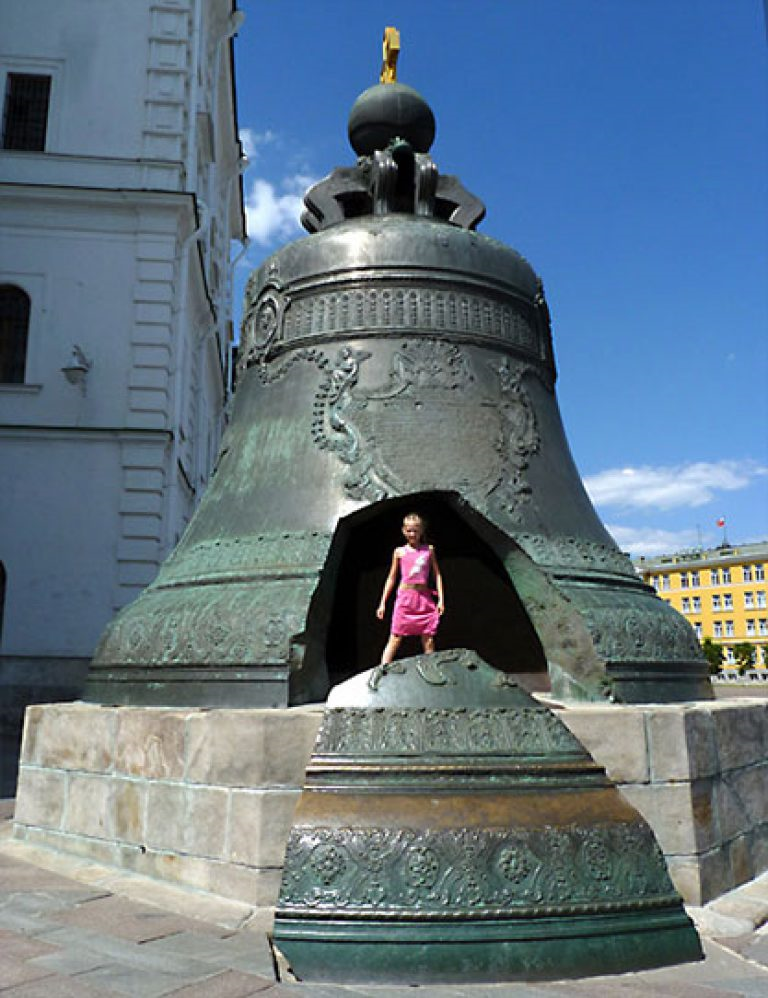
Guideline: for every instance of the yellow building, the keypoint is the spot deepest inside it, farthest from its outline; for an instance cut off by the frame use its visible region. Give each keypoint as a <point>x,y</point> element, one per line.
<point>722,593</point>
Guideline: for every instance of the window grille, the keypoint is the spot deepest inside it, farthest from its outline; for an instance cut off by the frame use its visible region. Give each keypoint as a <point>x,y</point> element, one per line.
<point>25,115</point>
<point>14,327</point>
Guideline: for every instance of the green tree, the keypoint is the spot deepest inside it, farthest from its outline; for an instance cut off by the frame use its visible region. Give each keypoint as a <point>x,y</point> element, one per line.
<point>744,653</point>
<point>713,654</point>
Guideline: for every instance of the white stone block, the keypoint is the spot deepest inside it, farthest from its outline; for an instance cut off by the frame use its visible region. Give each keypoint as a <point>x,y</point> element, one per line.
<point>251,748</point>
<point>73,736</point>
<point>615,737</point>
<point>90,807</point>
<point>259,823</point>
<point>742,734</point>
<point>150,742</point>
<point>40,797</point>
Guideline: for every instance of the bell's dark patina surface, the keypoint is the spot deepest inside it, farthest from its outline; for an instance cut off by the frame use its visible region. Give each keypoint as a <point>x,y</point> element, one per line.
<point>393,360</point>
<point>452,829</point>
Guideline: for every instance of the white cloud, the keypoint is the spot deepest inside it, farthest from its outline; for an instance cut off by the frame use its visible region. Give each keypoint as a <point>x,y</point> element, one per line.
<point>669,487</point>
<point>273,214</point>
<point>652,540</point>
<point>251,140</point>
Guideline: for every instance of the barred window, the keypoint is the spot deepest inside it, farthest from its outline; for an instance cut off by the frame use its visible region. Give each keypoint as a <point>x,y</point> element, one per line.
<point>14,326</point>
<point>25,115</point>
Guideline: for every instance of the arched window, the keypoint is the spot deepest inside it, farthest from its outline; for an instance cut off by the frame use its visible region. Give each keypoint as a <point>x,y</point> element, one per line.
<point>14,326</point>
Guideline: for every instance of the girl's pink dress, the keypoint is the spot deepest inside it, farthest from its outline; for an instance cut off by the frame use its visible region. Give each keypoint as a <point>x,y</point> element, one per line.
<point>415,609</point>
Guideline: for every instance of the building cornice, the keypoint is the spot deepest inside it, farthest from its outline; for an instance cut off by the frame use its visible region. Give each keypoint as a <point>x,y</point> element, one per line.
<point>71,170</point>
<point>734,554</point>
<point>121,196</point>
<point>122,433</point>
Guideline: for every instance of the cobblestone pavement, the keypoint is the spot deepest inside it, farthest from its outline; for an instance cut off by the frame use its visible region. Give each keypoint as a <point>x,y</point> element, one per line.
<point>71,928</point>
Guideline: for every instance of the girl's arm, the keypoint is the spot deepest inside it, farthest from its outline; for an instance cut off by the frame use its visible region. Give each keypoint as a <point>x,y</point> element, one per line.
<point>389,585</point>
<point>438,582</point>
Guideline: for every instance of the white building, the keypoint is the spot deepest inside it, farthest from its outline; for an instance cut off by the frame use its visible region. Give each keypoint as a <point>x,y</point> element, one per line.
<point>120,195</point>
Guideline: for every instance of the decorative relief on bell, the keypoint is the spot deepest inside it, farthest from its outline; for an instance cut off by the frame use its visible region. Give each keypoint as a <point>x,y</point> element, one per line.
<point>474,872</point>
<point>262,327</point>
<point>629,633</point>
<point>230,626</point>
<point>575,553</point>
<point>401,435</point>
<point>274,554</point>
<point>274,323</point>
<point>418,731</point>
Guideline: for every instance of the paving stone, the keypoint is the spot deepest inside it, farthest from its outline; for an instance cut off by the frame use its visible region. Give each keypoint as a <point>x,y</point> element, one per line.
<point>229,984</point>
<point>244,951</point>
<point>15,970</point>
<point>23,947</point>
<point>17,921</point>
<point>19,875</point>
<point>33,903</point>
<point>58,986</point>
<point>136,982</point>
<point>124,952</point>
<point>70,961</point>
<point>249,952</point>
<point>124,919</point>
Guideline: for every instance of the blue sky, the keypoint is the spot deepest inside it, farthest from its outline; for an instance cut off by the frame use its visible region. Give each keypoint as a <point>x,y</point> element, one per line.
<point>620,146</point>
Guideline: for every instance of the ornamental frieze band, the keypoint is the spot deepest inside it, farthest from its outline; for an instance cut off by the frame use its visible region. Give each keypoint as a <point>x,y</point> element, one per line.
<point>404,872</point>
<point>503,731</point>
<point>275,322</point>
<point>575,552</point>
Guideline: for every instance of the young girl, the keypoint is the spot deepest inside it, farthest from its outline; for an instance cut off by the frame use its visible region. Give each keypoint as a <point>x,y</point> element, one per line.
<point>415,610</point>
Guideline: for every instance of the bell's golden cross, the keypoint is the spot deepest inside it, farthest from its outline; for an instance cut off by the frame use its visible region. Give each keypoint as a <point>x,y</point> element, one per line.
<point>391,49</point>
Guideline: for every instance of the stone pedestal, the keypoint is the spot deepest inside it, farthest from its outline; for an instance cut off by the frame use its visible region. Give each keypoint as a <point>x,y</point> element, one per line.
<point>205,798</point>
<point>698,773</point>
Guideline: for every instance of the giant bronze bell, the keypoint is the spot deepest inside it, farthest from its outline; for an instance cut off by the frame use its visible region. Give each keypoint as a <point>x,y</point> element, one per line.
<point>452,829</point>
<point>394,359</point>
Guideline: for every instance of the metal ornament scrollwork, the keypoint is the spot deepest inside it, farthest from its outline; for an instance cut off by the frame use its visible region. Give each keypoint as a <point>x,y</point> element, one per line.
<point>262,326</point>
<point>634,634</point>
<point>387,309</point>
<point>482,872</point>
<point>418,731</point>
<point>559,551</point>
<point>402,435</point>
<point>226,627</point>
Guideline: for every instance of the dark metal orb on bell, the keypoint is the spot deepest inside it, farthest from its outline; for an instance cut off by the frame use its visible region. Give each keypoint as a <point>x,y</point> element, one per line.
<point>393,360</point>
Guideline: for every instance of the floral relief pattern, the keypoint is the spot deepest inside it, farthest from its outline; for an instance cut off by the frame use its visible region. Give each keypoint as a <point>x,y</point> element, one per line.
<point>442,873</point>
<point>516,731</point>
